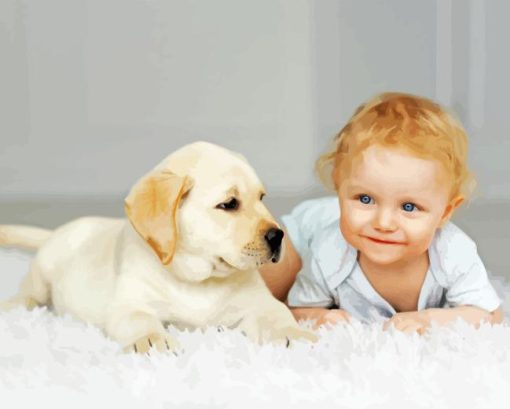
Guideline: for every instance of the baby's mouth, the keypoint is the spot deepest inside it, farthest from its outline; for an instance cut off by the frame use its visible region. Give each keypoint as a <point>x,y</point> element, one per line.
<point>380,241</point>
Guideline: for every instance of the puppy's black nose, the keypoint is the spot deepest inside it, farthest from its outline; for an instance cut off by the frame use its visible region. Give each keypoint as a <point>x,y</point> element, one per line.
<point>274,239</point>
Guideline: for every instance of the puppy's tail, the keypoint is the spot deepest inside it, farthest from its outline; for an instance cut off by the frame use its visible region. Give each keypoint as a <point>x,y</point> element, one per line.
<point>27,237</point>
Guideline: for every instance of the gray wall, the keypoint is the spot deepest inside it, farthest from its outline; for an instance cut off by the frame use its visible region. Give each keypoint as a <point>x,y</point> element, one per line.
<point>94,93</point>
<point>98,92</point>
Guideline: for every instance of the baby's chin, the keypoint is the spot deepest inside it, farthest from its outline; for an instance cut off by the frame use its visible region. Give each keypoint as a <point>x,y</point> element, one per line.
<point>382,254</point>
<point>382,259</point>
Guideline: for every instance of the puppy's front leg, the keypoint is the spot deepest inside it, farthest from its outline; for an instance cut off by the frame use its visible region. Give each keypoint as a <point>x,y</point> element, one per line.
<point>275,326</point>
<point>140,331</point>
<point>264,319</point>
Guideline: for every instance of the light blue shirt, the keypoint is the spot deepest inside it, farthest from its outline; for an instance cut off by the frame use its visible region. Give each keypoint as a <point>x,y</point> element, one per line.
<point>331,276</point>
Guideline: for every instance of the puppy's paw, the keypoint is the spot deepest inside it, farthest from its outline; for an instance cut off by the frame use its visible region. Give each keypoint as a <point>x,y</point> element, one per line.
<point>285,336</point>
<point>161,342</point>
<point>300,334</point>
<point>27,302</point>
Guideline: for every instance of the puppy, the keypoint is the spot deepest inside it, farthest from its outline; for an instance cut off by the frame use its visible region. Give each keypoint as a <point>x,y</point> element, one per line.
<point>188,253</point>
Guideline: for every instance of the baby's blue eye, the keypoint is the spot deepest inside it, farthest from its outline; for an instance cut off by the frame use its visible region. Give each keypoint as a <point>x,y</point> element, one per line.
<point>409,207</point>
<point>365,199</point>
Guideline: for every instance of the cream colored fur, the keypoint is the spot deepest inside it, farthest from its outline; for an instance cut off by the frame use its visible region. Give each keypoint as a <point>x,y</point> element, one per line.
<point>176,259</point>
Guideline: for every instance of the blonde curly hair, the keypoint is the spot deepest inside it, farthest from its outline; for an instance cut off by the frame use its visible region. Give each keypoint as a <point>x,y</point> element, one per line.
<point>402,121</point>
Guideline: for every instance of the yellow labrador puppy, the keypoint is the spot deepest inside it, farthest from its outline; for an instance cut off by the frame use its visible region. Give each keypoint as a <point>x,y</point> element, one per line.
<point>188,253</point>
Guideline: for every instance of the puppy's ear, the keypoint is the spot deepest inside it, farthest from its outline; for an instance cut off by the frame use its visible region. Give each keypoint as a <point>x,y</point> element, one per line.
<point>151,207</point>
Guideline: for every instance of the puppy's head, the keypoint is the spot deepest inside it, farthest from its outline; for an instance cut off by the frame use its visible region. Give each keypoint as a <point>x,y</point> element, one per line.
<point>205,202</point>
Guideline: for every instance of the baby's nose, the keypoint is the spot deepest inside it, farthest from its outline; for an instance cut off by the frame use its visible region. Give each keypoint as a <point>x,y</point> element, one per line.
<point>385,220</point>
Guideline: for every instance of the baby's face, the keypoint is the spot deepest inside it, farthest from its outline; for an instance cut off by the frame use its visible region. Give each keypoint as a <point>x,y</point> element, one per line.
<point>392,203</point>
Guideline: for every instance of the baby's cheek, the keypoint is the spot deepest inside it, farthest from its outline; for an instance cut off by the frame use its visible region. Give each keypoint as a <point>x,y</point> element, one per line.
<point>357,218</point>
<point>351,227</point>
<point>346,221</point>
<point>420,235</point>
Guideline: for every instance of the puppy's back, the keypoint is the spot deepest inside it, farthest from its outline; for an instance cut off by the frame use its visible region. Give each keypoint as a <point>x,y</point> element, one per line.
<point>83,238</point>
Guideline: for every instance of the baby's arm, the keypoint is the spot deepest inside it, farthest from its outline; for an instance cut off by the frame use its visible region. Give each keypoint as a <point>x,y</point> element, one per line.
<point>419,321</point>
<point>470,314</point>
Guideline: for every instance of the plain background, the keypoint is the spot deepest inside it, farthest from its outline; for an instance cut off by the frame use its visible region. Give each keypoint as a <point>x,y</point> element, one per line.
<point>94,93</point>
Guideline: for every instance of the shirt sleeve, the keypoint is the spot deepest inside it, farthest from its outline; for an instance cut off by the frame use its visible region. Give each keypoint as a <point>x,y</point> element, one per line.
<point>304,223</point>
<point>467,282</point>
<point>307,219</point>
<point>310,289</point>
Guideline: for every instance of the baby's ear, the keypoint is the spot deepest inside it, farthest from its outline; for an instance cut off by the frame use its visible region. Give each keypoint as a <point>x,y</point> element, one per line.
<point>151,207</point>
<point>450,208</point>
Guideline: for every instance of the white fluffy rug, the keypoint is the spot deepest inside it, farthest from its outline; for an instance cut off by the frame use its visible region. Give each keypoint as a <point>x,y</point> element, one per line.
<point>49,361</point>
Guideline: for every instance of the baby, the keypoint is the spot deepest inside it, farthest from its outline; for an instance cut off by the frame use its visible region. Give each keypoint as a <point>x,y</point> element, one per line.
<point>383,248</point>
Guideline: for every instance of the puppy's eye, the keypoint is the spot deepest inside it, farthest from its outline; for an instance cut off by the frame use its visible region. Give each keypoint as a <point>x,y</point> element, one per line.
<point>232,204</point>
<point>262,196</point>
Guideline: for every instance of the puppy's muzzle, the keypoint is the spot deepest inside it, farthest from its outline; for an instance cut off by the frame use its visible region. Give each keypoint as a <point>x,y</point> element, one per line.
<point>274,238</point>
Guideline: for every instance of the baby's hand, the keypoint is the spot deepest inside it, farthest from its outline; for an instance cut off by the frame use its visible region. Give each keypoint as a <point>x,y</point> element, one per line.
<point>409,322</point>
<point>332,317</point>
